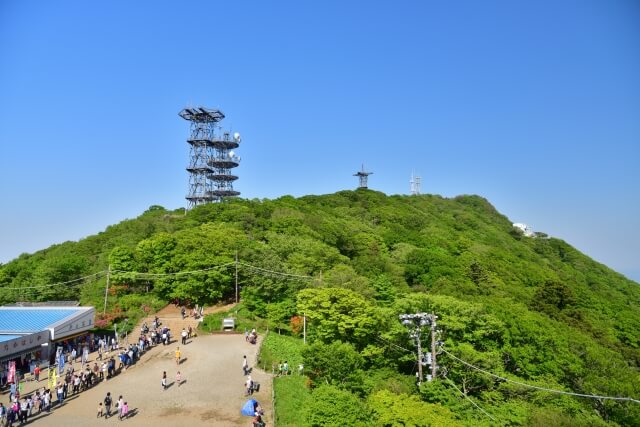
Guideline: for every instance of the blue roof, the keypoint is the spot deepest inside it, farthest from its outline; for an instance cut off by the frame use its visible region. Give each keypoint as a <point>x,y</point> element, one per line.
<point>33,319</point>
<point>4,338</point>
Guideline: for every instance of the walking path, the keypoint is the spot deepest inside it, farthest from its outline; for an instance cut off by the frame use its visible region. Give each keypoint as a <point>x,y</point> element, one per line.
<point>212,391</point>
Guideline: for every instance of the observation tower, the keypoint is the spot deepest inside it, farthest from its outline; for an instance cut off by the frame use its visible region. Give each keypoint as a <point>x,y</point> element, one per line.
<point>211,158</point>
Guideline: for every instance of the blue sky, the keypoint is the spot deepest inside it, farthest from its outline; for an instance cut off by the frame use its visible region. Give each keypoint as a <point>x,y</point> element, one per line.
<point>533,105</point>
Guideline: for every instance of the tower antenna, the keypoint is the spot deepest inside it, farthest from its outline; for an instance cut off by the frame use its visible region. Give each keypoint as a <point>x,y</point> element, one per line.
<point>415,184</point>
<point>362,175</point>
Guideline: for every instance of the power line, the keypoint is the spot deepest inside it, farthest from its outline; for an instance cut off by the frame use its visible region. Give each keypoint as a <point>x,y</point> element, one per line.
<point>277,273</point>
<point>392,344</point>
<point>591,396</point>
<point>469,399</point>
<point>179,273</point>
<point>56,284</point>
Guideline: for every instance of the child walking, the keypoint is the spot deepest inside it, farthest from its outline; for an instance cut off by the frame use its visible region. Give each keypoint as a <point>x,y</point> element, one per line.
<point>178,378</point>
<point>164,380</point>
<point>125,410</point>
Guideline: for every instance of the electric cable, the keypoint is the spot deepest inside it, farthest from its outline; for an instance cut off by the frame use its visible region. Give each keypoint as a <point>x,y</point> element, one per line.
<point>469,399</point>
<point>569,393</point>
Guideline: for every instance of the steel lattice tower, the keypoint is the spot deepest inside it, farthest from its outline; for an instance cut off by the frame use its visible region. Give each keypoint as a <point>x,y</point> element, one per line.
<point>415,184</point>
<point>362,175</point>
<point>210,158</point>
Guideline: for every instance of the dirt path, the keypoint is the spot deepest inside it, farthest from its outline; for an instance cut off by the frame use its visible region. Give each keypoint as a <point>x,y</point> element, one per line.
<point>211,393</point>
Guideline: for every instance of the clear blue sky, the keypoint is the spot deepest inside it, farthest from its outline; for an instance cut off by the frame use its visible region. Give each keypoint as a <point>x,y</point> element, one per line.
<point>533,105</point>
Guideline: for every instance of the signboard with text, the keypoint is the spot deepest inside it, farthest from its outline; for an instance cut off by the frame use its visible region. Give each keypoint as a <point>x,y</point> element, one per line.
<point>24,343</point>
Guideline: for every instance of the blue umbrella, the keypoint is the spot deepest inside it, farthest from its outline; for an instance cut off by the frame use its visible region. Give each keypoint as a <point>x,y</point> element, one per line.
<point>248,408</point>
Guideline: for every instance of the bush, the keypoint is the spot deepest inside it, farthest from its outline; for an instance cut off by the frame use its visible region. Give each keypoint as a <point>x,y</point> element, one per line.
<point>331,406</point>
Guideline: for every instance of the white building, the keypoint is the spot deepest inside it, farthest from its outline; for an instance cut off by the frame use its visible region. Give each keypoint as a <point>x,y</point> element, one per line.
<point>526,230</point>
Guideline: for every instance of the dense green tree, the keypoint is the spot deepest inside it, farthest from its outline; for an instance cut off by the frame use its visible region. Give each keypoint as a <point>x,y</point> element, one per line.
<point>338,314</point>
<point>395,410</point>
<point>531,309</point>
<point>331,406</point>
<point>336,363</point>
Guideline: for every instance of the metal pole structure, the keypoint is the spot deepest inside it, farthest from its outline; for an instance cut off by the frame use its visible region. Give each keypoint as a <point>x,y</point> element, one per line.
<point>106,290</point>
<point>304,328</point>
<point>433,346</point>
<point>236,277</point>
<point>419,357</point>
<point>415,323</point>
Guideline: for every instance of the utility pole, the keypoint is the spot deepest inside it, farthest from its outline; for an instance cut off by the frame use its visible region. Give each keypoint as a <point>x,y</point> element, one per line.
<point>106,290</point>
<point>415,323</point>
<point>433,346</point>
<point>236,276</point>
<point>304,328</point>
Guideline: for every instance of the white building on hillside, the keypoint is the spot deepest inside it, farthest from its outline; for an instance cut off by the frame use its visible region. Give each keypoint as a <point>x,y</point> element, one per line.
<point>526,230</point>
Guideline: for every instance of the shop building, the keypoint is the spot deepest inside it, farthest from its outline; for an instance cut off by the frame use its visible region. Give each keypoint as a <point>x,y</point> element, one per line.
<point>30,335</point>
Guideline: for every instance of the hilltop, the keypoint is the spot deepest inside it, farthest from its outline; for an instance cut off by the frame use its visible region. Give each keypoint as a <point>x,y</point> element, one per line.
<point>532,309</point>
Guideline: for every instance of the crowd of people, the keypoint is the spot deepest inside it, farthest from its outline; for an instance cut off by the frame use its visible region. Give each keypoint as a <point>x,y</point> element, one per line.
<point>63,383</point>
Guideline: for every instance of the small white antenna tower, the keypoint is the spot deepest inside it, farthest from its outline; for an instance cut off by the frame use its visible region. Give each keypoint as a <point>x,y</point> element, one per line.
<point>415,184</point>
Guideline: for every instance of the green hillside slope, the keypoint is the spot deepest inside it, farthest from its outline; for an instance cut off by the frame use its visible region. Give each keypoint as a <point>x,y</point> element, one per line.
<point>529,309</point>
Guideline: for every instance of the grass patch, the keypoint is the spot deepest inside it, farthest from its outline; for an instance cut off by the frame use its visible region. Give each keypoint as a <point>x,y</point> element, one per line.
<point>291,393</point>
<point>244,320</point>
<point>278,348</point>
<point>292,397</point>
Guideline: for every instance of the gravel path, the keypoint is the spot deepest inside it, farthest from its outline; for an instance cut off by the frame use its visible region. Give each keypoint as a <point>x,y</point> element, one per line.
<point>212,392</point>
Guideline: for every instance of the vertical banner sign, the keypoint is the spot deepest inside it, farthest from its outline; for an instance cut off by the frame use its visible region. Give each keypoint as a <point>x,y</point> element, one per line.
<point>11,378</point>
<point>61,363</point>
<point>53,379</point>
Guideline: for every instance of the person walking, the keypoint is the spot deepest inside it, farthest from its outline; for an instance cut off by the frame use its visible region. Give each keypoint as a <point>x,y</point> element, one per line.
<point>245,365</point>
<point>249,386</point>
<point>178,378</point>
<point>125,410</point>
<point>178,354</point>
<point>107,405</point>
<point>119,405</point>
<point>184,336</point>
<point>164,380</point>
<point>60,392</point>
<point>46,400</point>
<point>24,408</point>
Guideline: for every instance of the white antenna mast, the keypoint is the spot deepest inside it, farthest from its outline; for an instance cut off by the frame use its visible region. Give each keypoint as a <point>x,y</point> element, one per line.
<point>415,184</point>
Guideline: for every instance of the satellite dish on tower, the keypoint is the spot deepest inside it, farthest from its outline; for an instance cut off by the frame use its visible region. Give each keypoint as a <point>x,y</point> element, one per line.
<point>236,137</point>
<point>231,154</point>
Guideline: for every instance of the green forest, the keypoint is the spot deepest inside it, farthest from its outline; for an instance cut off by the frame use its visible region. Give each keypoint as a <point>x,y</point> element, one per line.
<point>532,311</point>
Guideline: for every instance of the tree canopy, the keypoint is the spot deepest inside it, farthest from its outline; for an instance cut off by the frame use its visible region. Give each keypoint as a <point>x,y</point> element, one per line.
<point>529,309</point>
